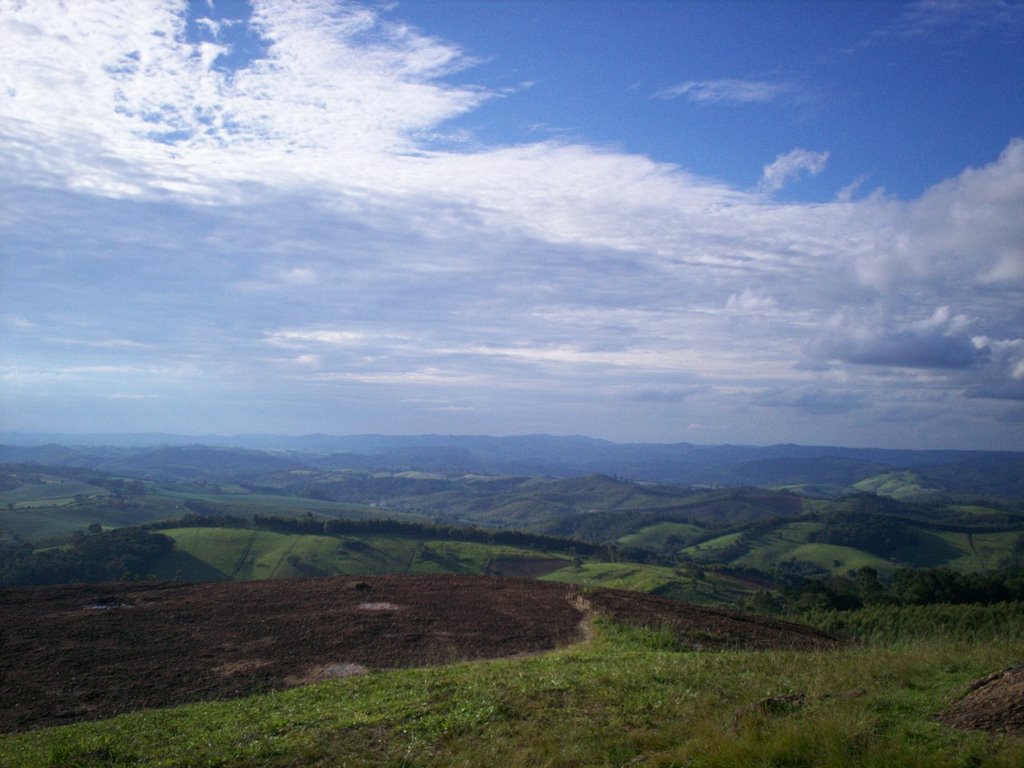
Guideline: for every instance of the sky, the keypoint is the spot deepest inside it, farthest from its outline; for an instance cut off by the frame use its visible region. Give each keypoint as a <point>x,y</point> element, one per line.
<point>707,222</point>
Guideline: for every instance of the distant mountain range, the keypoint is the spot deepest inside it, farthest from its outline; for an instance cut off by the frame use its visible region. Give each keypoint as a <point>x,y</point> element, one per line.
<point>824,470</point>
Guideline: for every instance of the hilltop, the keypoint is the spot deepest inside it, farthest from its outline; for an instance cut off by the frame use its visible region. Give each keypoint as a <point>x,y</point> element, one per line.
<point>84,652</point>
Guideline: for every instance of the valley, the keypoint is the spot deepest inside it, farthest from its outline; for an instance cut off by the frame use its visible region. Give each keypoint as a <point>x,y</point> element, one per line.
<point>247,604</point>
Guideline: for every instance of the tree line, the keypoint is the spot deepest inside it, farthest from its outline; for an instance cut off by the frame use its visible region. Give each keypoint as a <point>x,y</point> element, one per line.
<point>905,587</point>
<point>123,554</point>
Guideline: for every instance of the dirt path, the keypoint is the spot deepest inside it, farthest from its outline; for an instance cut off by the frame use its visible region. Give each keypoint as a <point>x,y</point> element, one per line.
<point>80,652</point>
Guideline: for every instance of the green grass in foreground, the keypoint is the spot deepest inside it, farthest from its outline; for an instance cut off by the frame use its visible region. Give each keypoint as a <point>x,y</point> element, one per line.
<point>627,697</point>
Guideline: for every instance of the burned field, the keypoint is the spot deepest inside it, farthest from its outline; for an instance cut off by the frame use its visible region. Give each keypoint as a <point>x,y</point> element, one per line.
<point>82,652</point>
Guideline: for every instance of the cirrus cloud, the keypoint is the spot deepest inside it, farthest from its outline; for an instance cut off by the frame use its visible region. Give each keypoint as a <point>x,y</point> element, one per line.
<point>728,91</point>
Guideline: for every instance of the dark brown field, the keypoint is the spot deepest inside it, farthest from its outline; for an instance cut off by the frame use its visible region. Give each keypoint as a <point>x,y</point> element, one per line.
<point>79,652</point>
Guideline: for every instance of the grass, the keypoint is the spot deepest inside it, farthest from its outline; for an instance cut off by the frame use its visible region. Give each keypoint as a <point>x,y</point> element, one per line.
<point>661,580</point>
<point>893,624</point>
<point>655,536</point>
<point>904,485</point>
<point>241,553</point>
<point>792,542</point>
<point>707,551</point>
<point>247,501</point>
<point>247,554</point>
<point>54,521</point>
<point>626,697</point>
<point>53,492</point>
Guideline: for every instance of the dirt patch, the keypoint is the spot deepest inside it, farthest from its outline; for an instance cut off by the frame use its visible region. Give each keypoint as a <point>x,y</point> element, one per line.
<point>378,606</point>
<point>994,703</point>
<point>327,672</point>
<point>167,644</point>
<point>239,667</point>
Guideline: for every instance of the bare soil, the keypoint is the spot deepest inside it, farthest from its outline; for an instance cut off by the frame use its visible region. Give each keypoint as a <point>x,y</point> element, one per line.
<point>82,652</point>
<point>994,703</point>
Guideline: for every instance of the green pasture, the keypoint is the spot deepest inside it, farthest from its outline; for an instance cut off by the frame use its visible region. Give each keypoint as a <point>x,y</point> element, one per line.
<point>656,536</point>
<point>53,492</point>
<point>240,553</point>
<point>902,485</point>
<point>791,542</point>
<point>708,551</point>
<point>269,503</point>
<point>39,512</point>
<point>962,551</point>
<point>709,587</point>
<point>42,523</point>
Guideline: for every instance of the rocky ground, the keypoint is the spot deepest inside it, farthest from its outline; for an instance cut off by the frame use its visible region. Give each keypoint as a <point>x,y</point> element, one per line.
<point>994,703</point>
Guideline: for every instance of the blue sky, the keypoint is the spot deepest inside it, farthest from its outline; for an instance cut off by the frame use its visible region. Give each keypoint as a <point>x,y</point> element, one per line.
<point>709,222</point>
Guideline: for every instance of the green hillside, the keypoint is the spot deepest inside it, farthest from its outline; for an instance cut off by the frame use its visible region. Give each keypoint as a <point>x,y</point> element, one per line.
<point>789,544</point>
<point>660,536</point>
<point>667,527</point>
<point>241,553</point>
<point>903,485</point>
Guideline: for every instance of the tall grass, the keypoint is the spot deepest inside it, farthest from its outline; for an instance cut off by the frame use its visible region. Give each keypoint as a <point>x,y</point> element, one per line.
<point>893,624</point>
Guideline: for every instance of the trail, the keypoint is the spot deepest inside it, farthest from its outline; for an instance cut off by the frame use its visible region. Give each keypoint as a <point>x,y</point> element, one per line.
<point>283,557</point>
<point>974,550</point>
<point>245,554</point>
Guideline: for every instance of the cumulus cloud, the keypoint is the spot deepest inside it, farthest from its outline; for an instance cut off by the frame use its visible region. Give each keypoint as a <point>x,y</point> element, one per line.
<point>1003,377</point>
<point>728,90</point>
<point>788,166</point>
<point>938,341</point>
<point>966,229</point>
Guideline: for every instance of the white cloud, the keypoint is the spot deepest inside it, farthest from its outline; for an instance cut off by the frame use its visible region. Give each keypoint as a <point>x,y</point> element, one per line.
<point>119,103</point>
<point>750,302</point>
<point>939,346</point>
<point>298,276</point>
<point>788,166</point>
<point>326,336</point>
<point>944,20</point>
<point>845,194</point>
<point>728,90</point>
<point>966,230</point>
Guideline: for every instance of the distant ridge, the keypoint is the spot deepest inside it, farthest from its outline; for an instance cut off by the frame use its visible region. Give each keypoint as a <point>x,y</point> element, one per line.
<point>163,454</point>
